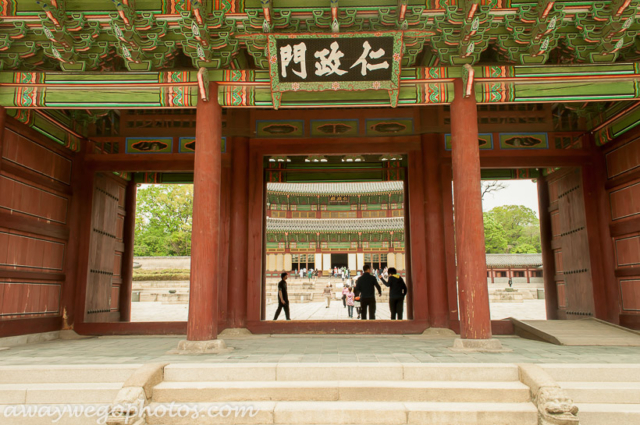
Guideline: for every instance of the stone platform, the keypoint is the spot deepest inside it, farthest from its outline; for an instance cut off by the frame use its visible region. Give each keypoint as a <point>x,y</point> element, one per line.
<point>328,379</point>
<point>581,332</point>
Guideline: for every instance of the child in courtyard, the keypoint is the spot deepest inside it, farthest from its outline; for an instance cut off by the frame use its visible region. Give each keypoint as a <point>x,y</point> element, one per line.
<point>356,304</point>
<point>350,302</point>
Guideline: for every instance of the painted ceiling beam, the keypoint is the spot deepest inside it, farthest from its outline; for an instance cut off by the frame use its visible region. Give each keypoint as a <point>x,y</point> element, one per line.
<point>147,35</point>
<point>419,86</point>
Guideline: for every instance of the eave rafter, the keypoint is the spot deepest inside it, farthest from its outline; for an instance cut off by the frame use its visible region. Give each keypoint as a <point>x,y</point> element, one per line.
<point>150,35</point>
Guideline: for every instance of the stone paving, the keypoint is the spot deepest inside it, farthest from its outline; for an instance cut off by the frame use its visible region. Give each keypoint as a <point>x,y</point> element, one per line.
<point>155,312</point>
<point>308,348</point>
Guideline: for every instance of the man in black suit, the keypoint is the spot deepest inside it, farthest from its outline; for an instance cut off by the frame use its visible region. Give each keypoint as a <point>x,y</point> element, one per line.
<point>365,289</point>
<point>283,297</point>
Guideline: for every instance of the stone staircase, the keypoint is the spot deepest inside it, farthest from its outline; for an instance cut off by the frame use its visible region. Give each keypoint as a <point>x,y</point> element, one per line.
<point>57,386</point>
<point>369,393</point>
<point>324,393</point>
<point>605,394</point>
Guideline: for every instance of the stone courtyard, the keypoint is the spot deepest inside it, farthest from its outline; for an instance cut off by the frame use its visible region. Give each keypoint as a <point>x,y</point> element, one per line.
<point>156,311</point>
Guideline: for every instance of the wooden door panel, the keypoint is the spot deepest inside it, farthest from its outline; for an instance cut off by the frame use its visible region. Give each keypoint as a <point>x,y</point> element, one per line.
<point>578,286</point>
<point>102,250</point>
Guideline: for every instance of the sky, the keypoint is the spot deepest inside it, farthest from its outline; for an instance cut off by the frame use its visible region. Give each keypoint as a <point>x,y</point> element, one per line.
<point>517,192</point>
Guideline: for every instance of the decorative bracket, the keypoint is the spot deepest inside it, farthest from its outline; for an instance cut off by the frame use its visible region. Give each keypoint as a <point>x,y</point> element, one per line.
<point>468,74</point>
<point>203,84</point>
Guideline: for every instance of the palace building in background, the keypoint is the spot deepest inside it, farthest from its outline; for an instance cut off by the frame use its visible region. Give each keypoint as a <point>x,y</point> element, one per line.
<point>405,105</point>
<point>327,225</point>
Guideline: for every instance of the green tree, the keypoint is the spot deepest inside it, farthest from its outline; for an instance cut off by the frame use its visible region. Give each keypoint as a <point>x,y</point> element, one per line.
<point>163,220</point>
<point>520,226</point>
<point>494,236</point>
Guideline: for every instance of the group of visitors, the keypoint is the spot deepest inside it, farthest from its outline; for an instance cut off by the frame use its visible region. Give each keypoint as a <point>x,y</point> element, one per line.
<point>361,296</point>
<point>311,274</point>
<point>341,272</point>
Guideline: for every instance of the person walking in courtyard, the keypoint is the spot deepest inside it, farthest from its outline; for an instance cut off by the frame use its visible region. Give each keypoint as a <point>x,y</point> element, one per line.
<point>397,292</point>
<point>350,302</point>
<point>327,294</point>
<point>365,289</point>
<point>356,304</point>
<point>283,297</point>
<point>345,291</point>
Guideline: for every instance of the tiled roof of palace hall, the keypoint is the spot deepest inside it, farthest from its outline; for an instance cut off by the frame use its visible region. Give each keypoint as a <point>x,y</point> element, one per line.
<point>335,188</point>
<point>339,225</point>
<point>511,260</point>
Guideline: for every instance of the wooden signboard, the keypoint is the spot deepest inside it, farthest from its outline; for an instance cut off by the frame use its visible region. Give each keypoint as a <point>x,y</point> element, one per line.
<point>347,61</point>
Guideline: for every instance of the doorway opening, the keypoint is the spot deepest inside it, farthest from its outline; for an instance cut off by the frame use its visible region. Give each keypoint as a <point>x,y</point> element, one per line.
<point>326,218</point>
<point>162,253</point>
<point>339,261</point>
<point>513,246</point>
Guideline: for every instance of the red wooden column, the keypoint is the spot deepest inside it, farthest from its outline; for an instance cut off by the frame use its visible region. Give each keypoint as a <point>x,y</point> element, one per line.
<point>203,305</point>
<point>128,239</point>
<point>449,241</point>
<point>415,264</point>
<point>238,255</point>
<point>607,254</point>
<point>434,226</point>
<point>475,319</point>
<point>548,260</point>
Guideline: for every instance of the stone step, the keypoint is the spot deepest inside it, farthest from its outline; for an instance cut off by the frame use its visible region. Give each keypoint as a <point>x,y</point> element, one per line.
<point>341,372</point>
<point>593,373</point>
<point>78,393</point>
<point>472,413</point>
<point>609,414</point>
<point>51,413</point>
<point>66,374</point>
<point>400,391</point>
<point>361,413</point>
<point>603,392</point>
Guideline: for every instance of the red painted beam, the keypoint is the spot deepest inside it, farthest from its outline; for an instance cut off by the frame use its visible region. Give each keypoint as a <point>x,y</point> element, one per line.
<point>33,225</point>
<point>30,275</point>
<point>141,162</point>
<point>625,227</point>
<point>631,321</point>
<point>395,327</point>
<point>31,176</point>
<point>132,328</point>
<point>16,327</point>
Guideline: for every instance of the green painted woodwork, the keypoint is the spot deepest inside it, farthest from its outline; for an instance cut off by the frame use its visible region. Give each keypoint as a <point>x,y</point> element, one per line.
<point>135,54</point>
<point>418,86</point>
<point>62,133</point>
<point>100,35</point>
<point>618,127</point>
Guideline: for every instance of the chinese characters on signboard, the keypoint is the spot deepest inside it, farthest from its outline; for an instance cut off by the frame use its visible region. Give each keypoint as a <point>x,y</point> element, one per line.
<point>342,59</point>
<point>348,61</point>
<point>342,200</point>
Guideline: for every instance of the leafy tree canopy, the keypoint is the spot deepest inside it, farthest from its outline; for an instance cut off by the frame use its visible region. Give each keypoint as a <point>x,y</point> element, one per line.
<point>163,220</point>
<point>512,229</point>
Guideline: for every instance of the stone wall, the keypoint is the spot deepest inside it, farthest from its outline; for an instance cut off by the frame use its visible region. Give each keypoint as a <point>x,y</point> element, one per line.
<point>157,263</point>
